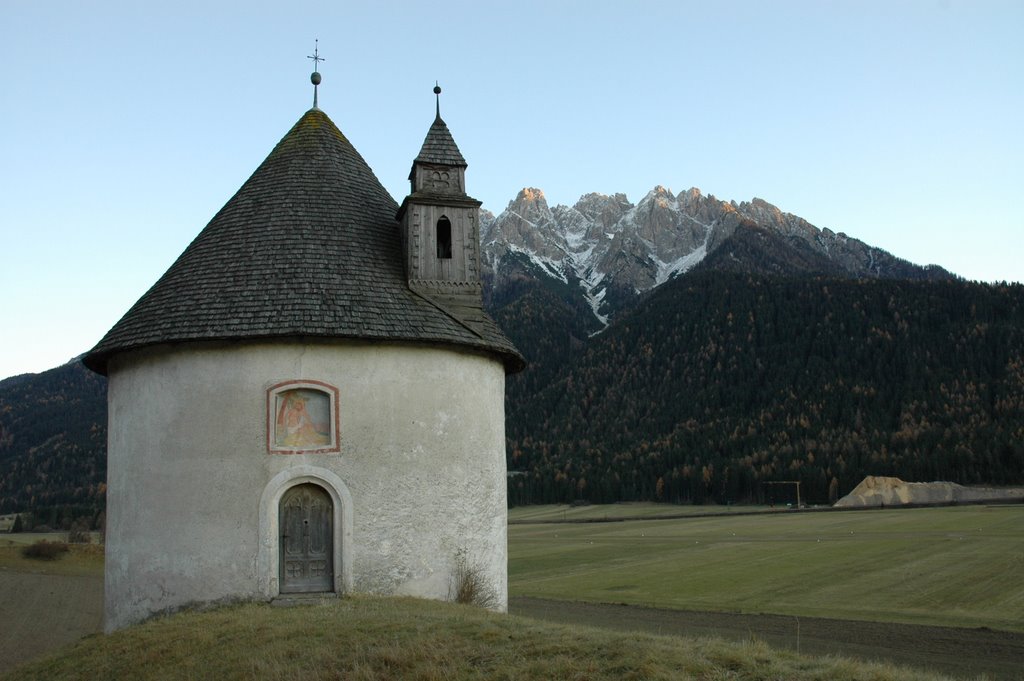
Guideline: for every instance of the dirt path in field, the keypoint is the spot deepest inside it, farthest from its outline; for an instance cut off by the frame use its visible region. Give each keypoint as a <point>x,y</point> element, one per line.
<point>947,650</point>
<point>39,613</point>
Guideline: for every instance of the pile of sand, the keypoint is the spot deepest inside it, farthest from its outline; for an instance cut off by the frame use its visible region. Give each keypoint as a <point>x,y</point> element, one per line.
<point>882,491</point>
<point>7,522</point>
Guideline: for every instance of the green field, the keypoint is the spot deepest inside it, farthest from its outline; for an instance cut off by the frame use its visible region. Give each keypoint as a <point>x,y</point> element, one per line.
<point>958,566</point>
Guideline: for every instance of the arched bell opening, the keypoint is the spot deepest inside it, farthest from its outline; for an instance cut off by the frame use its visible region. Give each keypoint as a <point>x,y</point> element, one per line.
<point>444,238</point>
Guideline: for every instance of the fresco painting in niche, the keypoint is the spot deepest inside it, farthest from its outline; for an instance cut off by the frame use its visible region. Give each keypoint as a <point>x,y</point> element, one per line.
<point>303,419</point>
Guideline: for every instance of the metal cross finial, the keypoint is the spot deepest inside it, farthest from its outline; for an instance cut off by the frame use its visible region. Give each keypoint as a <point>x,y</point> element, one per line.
<point>316,54</point>
<point>315,77</point>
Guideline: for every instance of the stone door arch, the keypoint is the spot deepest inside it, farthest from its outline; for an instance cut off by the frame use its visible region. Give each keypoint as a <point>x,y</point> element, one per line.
<point>306,523</point>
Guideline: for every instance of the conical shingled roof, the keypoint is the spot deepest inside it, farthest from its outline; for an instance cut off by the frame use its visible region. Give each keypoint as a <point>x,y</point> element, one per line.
<point>439,146</point>
<point>307,247</point>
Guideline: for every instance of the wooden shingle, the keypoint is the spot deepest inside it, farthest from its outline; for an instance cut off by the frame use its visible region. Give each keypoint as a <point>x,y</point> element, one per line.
<point>309,247</point>
<point>439,146</point>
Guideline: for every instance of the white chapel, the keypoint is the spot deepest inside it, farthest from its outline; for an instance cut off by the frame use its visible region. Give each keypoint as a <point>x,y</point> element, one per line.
<point>311,399</point>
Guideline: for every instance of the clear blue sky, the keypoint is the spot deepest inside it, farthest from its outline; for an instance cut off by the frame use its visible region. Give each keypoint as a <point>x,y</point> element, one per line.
<point>124,126</point>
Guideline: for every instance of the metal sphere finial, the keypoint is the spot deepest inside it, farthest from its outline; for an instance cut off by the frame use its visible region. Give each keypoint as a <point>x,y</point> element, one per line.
<point>314,77</point>
<point>437,88</point>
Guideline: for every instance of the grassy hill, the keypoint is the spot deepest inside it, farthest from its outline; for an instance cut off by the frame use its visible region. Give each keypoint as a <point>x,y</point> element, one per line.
<point>378,638</point>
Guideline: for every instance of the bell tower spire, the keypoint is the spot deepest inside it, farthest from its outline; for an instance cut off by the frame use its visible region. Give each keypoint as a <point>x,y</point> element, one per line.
<point>440,226</point>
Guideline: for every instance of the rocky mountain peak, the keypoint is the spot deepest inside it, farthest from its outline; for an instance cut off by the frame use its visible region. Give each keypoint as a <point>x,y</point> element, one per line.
<point>764,213</point>
<point>595,216</point>
<point>608,249</point>
<point>689,196</point>
<point>531,205</point>
<point>527,223</point>
<point>528,195</point>
<point>660,194</point>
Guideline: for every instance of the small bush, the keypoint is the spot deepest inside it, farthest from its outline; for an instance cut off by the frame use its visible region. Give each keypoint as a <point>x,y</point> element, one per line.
<point>469,585</point>
<point>44,550</point>
<point>79,533</point>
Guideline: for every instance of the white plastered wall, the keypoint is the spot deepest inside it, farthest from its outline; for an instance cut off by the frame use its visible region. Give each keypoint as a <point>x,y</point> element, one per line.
<point>192,491</point>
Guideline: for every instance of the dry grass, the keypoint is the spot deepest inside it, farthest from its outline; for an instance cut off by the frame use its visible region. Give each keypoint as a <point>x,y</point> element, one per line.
<point>81,559</point>
<point>378,638</point>
<point>469,586</point>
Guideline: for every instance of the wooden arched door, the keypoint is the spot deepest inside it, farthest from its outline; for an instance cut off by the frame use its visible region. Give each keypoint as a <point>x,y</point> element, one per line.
<point>307,540</point>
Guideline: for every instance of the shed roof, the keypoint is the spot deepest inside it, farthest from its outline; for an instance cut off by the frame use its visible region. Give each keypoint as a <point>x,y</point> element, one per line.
<point>308,247</point>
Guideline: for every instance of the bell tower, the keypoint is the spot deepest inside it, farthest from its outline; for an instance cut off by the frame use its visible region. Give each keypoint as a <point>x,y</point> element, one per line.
<point>440,227</point>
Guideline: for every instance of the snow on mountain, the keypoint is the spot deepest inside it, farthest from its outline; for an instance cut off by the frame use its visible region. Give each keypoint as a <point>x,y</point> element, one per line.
<point>609,248</point>
<point>605,239</point>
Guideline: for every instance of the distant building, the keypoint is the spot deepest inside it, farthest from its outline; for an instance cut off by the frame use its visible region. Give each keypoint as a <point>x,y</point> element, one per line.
<point>311,399</point>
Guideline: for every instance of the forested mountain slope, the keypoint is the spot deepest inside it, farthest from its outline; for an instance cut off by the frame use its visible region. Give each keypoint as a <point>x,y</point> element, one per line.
<point>715,383</point>
<point>53,444</point>
<point>720,381</point>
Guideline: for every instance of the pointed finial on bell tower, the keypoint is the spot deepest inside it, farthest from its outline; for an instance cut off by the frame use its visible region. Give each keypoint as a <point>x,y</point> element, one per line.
<point>315,76</point>
<point>437,94</point>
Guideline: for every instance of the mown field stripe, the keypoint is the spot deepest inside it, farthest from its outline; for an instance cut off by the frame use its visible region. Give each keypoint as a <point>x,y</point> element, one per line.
<point>958,566</point>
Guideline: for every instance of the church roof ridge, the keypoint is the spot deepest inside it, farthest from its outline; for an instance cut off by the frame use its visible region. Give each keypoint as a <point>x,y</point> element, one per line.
<point>308,247</point>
